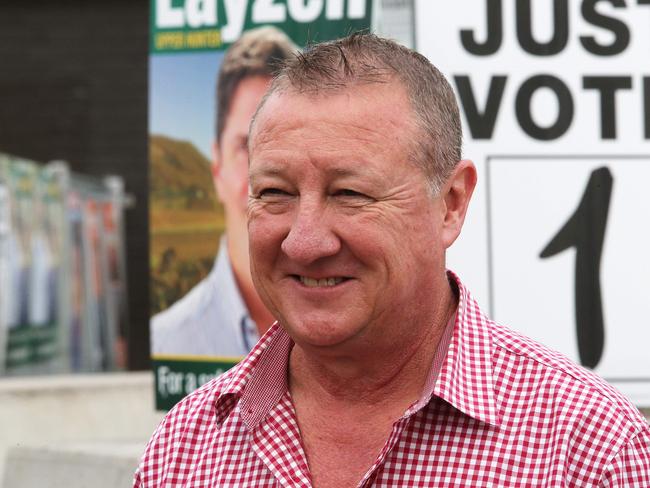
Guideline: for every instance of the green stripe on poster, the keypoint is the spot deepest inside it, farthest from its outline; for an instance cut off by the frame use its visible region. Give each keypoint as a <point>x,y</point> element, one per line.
<point>187,25</point>
<point>177,376</point>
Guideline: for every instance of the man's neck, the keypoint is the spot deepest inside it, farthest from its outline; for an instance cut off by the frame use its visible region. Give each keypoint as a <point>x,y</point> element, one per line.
<point>389,373</point>
<point>346,405</point>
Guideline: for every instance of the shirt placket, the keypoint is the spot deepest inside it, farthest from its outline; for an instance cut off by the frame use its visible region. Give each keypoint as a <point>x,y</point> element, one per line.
<point>398,427</point>
<point>402,422</point>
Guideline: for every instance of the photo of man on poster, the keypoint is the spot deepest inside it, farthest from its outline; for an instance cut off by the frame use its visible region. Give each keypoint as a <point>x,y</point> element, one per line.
<point>222,315</point>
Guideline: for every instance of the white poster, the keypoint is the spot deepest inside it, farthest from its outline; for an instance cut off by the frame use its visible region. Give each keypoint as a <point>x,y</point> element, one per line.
<point>555,105</point>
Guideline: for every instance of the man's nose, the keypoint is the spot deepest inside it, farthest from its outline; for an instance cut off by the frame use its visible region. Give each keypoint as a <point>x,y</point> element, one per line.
<point>311,236</point>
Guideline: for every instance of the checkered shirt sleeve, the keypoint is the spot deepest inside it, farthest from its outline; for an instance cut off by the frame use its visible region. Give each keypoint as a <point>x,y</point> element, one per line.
<point>631,466</point>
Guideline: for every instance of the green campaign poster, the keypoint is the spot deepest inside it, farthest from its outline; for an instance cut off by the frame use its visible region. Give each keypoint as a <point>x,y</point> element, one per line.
<point>210,63</point>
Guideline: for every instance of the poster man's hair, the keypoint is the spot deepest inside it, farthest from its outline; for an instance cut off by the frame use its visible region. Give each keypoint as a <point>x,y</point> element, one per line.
<point>258,52</point>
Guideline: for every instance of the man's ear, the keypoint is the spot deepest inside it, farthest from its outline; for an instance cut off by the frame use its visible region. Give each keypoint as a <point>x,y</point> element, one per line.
<point>456,194</point>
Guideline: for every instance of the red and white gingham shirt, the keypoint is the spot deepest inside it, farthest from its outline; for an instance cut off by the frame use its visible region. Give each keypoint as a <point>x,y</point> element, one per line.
<point>503,411</point>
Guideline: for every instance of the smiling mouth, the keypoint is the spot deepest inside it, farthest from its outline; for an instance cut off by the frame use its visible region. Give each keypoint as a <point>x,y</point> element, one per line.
<point>322,282</point>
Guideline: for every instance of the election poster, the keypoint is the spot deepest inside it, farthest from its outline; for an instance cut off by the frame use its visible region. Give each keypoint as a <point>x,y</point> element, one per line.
<point>30,270</point>
<point>60,234</point>
<point>210,63</point>
<point>555,103</point>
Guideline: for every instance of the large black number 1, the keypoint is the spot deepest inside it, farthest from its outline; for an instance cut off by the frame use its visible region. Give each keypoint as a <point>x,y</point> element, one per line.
<point>585,230</point>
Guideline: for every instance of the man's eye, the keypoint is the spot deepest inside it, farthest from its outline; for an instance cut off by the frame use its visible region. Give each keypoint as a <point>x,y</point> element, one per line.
<point>348,193</point>
<point>272,192</point>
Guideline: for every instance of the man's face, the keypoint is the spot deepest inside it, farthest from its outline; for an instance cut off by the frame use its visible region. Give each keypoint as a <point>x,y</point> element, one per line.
<point>230,164</point>
<point>346,241</point>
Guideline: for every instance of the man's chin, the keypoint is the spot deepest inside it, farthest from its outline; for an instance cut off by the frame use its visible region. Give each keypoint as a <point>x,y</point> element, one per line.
<point>322,332</point>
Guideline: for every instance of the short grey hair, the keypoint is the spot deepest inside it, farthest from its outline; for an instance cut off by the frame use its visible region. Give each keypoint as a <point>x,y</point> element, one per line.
<point>364,58</point>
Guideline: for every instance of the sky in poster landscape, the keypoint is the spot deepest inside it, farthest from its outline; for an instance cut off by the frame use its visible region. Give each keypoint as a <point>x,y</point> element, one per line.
<point>181,96</point>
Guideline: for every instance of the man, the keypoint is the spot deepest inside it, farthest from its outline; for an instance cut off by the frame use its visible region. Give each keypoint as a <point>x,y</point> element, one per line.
<point>381,370</point>
<point>223,315</point>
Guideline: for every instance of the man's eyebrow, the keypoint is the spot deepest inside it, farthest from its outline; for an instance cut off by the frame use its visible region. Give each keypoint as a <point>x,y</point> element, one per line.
<point>339,172</point>
<point>266,171</point>
<point>342,172</point>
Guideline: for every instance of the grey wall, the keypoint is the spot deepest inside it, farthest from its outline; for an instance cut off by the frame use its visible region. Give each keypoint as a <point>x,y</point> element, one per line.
<point>73,86</point>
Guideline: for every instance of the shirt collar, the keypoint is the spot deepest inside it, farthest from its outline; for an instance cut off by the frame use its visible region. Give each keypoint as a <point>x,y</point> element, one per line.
<point>464,379</point>
<point>253,370</point>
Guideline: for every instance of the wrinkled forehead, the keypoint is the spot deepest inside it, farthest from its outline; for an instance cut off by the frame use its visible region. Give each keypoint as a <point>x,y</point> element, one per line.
<point>359,104</point>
